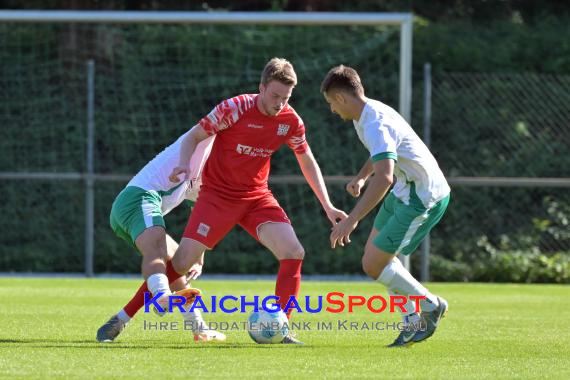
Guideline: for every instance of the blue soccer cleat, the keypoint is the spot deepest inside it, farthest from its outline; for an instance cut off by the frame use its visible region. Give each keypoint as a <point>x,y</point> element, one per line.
<point>432,319</point>
<point>404,339</point>
<point>110,330</point>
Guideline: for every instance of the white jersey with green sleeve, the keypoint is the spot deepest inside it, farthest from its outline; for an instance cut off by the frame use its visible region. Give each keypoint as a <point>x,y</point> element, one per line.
<point>386,134</point>
<point>154,175</point>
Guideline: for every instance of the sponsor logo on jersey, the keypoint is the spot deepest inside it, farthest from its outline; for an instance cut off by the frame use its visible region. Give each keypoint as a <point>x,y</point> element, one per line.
<point>243,149</point>
<point>203,229</point>
<point>282,129</point>
<point>253,151</point>
<point>255,126</point>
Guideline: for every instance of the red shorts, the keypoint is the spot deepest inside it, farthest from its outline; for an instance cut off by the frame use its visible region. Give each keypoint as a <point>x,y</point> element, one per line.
<point>213,217</point>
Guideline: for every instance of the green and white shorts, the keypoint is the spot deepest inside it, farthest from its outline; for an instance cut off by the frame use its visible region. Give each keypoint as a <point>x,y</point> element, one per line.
<point>134,210</point>
<point>402,227</point>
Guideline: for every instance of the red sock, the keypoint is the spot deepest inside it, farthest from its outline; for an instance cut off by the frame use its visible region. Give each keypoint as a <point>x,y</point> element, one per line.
<point>137,302</point>
<point>171,273</point>
<point>288,282</point>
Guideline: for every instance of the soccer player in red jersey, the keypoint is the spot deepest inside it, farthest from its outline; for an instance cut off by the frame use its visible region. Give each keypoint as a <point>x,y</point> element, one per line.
<point>249,128</point>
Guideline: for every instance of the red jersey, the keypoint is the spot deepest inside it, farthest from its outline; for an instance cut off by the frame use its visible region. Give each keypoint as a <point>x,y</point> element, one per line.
<point>238,166</point>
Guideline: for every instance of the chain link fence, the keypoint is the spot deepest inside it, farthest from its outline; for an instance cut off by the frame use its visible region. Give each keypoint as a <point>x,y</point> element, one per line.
<point>502,125</point>
<point>510,135</point>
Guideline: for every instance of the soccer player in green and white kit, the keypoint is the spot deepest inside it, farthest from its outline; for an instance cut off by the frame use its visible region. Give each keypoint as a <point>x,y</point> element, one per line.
<point>137,217</point>
<point>410,210</point>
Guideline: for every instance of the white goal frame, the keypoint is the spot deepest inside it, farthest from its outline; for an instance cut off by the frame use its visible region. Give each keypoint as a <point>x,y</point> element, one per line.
<point>403,20</point>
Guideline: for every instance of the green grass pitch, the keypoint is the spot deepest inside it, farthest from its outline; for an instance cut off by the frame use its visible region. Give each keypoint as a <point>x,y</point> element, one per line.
<point>491,331</point>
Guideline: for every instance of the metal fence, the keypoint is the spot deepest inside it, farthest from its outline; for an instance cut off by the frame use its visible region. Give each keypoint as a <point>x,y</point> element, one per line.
<point>503,140</point>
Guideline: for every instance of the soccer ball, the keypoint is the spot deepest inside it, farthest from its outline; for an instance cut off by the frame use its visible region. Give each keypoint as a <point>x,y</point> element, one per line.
<point>267,328</point>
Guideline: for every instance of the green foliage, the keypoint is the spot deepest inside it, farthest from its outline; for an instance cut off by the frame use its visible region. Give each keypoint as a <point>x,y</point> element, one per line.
<point>491,234</point>
<point>501,266</point>
<point>460,46</point>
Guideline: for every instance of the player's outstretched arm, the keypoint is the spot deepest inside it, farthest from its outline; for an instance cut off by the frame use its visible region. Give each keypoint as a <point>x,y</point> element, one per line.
<point>378,186</point>
<point>355,186</point>
<point>187,149</point>
<point>314,177</point>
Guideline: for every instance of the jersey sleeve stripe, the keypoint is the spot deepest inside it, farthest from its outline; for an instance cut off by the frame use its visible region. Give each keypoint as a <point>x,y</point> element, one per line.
<point>226,114</point>
<point>235,109</point>
<point>385,155</point>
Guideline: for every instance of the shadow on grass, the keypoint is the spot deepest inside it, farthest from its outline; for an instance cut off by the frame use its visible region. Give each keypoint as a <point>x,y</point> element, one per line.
<point>155,344</point>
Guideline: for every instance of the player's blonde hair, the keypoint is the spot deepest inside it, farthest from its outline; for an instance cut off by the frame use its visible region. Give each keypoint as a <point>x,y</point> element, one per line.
<point>342,78</point>
<point>281,70</point>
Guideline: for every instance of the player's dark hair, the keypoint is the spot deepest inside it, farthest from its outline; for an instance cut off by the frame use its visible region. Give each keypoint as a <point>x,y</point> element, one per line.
<point>342,78</point>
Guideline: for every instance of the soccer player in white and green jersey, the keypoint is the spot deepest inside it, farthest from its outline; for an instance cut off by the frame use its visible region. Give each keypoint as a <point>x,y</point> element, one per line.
<point>137,216</point>
<point>415,204</point>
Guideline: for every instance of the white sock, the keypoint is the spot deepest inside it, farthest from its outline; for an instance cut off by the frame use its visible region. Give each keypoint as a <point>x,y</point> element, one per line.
<point>123,316</point>
<point>397,278</point>
<point>196,320</point>
<point>410,315</point>
<point>158,283</point>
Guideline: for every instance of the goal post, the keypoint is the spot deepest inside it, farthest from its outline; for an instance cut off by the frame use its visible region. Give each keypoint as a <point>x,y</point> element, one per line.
<point>153,74</point>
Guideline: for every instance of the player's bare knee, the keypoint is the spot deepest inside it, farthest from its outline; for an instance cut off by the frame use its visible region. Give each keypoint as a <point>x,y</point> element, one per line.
<point>370,268</point>
<point>188,253</point>
<point>179,263</point>
<point>152,249</point>
<point>296,253</point>
<point>171,247</point>
<point>154,254</point>
<point>179,284</point>
<point>299,253</point>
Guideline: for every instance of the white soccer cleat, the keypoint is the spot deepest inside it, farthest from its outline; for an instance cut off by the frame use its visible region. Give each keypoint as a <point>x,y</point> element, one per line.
<point>291,338</point>
<point>207,335</point>
<point>200,329</point>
